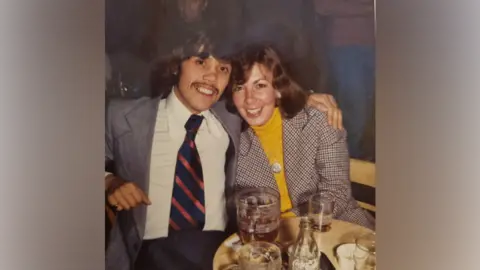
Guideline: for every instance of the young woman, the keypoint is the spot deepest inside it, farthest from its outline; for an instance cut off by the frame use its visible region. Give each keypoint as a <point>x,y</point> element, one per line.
<point>285,144</point>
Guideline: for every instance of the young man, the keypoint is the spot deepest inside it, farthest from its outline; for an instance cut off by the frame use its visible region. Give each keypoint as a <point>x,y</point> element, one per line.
<point>180,150</point>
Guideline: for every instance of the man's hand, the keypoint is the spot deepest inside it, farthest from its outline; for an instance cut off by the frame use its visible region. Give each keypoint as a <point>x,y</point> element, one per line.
<point>326,103</point>
<point>124,195</point>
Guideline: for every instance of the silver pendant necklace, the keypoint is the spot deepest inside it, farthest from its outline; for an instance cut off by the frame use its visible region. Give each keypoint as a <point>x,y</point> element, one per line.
<point>276,167</point>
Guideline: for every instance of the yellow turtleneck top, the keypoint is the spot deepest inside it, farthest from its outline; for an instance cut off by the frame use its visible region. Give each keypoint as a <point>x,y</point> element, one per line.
<point>271,138</point>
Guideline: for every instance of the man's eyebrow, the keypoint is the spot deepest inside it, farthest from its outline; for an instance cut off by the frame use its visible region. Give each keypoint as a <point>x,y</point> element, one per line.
<point>205,55</point>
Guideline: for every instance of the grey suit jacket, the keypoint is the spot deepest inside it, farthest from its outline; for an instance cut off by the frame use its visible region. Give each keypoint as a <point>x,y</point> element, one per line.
<point>316,160</point>
<point>128,141</point>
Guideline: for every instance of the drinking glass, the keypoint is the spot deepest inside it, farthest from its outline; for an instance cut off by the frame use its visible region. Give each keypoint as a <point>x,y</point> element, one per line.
<point>365,252</point>
<point>259,255</point>
<point>258,214</point>
<point>320,212</point>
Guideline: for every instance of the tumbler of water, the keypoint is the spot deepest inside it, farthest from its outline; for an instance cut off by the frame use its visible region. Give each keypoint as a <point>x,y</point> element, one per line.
<point>320,212</point>
<point>365,252</point>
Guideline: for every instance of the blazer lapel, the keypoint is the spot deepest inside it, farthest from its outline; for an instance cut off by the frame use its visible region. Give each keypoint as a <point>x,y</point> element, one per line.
<point>293,142</point>
<point>255,168</point>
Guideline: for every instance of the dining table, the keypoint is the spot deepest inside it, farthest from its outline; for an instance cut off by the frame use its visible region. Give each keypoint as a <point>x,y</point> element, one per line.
<point>340,232</point>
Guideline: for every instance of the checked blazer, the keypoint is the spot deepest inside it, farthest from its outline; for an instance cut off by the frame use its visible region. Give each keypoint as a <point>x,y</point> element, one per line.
<point>316,159</point>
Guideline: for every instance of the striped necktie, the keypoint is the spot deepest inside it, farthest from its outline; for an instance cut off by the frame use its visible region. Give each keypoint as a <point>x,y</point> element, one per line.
<point>188,200</point>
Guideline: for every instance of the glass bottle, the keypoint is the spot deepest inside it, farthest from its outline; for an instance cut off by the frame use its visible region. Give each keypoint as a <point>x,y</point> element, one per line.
<point>305,254</point>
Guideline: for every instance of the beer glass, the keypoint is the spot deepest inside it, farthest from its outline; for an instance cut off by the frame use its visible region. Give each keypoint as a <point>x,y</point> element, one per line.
<point>258,214</point>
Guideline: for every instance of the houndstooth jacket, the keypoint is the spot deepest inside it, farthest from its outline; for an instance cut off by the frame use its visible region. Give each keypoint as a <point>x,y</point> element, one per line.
<point>316,159</point>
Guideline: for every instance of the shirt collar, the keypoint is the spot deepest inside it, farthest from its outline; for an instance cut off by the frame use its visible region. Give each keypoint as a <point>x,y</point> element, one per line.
<point>180,114</point>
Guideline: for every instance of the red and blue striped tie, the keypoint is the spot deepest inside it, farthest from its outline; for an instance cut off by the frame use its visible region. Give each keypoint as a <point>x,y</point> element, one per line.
<point>188,199</point>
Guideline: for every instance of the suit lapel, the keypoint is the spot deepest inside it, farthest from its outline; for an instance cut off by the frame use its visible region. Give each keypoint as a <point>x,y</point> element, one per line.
<point>229,121</point>
<point>141,121</point>
<point>232,125</point>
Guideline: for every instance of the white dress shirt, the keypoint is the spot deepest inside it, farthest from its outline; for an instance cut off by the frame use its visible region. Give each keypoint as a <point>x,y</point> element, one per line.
<point>212,142</point>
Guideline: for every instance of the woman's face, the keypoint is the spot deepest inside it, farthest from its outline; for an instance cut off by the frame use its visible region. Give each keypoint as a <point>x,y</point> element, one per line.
<point>256,99</point>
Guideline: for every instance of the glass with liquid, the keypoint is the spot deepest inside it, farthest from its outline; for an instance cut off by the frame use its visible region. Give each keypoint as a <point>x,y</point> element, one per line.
<point>320,212</point>
<point>364,255</point>
<point>258,214</point>
<point>259,255</point>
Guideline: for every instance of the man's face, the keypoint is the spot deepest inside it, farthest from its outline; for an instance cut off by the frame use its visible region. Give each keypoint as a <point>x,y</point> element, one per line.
<point>202,82</point>
<point>191,10</point>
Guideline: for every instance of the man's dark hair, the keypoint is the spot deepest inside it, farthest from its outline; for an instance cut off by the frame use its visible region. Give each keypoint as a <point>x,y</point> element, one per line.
<point>166,70</point>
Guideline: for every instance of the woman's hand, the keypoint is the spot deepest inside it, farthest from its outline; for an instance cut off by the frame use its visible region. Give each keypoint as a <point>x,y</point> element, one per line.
<point>326,103</point>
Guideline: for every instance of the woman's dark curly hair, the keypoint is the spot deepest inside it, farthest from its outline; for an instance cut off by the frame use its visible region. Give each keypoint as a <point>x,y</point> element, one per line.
<point>293,98</point>
<point>167,68</point>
